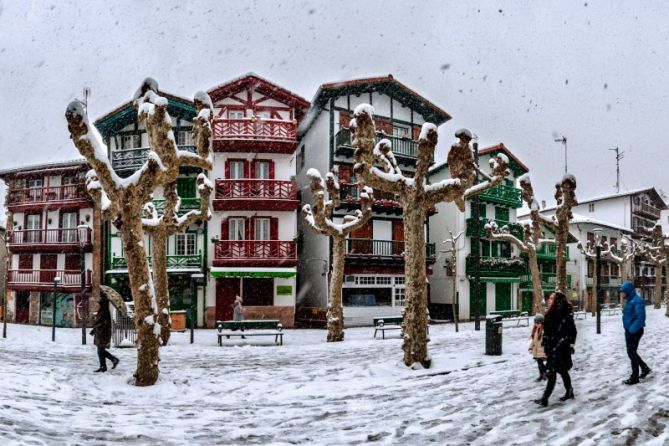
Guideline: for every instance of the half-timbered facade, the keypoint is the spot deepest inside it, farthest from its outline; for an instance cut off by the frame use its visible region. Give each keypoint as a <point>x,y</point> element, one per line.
<point>374,265</point>
<point>128,144</point>
<point>254,225</point>
<point>45,205</point>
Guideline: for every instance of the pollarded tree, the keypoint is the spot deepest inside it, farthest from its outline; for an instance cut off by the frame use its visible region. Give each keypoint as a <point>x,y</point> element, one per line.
<point>656,252</point>
<point>565,196</point>
<point>160,228</point>
<point>122,199</point>
<point>416,197</point>
<point>320,220</point>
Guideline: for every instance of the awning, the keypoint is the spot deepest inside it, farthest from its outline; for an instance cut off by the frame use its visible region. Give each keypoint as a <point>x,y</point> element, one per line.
<point>257,273</point>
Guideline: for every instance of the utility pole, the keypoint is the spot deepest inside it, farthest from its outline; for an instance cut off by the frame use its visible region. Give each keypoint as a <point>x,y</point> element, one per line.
<point>563,140</point>
<point>476,244</point>
<point>619,156</point>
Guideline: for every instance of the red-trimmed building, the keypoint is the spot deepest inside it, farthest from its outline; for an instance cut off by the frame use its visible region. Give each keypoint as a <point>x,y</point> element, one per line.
<point>254,225</point>
<point>374,266</point>
<point>45,204</point>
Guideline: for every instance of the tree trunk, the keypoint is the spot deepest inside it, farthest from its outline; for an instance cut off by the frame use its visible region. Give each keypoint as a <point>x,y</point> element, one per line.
<point>161,281</point>
<point>537,289</point>
<point>657,297</point>
<point>335,308</point>
<point>415,316</point>
<point>666,279</point>
<point>141,285</point>
<point>454,269</point>
<point>560,255</point>
<point>623,271</point>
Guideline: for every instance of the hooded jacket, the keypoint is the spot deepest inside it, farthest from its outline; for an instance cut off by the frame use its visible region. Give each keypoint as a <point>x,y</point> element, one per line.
<point>634,311</point>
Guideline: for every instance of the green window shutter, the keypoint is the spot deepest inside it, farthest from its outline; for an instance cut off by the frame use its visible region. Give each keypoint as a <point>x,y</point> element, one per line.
<point>485,248</point>
<point>501,213</point>
<point>482,209</point>
<point>186,187</point>
<point>494,249</point>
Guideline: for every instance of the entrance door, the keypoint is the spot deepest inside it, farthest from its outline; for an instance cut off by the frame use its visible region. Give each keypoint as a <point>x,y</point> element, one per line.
<point>472,300</point>
<point>48,263</point>
<point>502,296</point>
<point>226,290</point>
<point>22,307</point>
<point>258,292</point>
<point>364,243</point>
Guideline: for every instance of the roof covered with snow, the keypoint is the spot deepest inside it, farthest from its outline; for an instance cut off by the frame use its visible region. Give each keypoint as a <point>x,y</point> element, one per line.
<point>655,196</point>
<point>383,84</point>
<point>48,168</point>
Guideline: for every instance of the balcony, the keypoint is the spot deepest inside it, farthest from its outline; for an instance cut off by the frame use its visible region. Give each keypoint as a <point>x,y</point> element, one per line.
<point>129,160</point>
<point>642,227</point>
<point>548,251</point>
<point>187,205</point>
<point>255,195</point>
<point>504,195</point>
<point>515,229</point>
<point>548,281</point>
<point>264,135</point>
<point>279,253</point>
<point>74,195</point>
<point>647,210</point>
<point>174,262</point>
<point>497,266</point>
<point>42,280</point>
<point>608,281</point>
<point>404,149</point>
<point>382,251</point>
<point>47,240</point>
<point>384,202</point>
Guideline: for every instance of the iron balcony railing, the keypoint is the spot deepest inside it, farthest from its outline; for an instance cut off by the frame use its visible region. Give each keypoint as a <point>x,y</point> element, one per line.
<point>402,147</point>
<point>187,205</point>
<point>173,261</point>
<point>255,189</point>
<point>255,249</point>
<point>60,236</point>
<point>45,277</point>
<point>48,194</point>
<point>360,247</point>
<point>515,229</point>
<point>132,159</point>
<point>502,194</point>
<point>255,129</point>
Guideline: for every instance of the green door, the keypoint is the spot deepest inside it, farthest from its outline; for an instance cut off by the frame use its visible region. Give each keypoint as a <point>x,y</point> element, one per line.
<point>502,296</point>
<point>472,300</point>
<point>527,301</point>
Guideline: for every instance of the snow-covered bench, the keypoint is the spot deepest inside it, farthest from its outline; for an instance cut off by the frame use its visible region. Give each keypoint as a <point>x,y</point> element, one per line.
<point>611,310</point>
<point>387,323</point>
<point>516,316</point>
<point>241,329</point>
<point>580,314</point>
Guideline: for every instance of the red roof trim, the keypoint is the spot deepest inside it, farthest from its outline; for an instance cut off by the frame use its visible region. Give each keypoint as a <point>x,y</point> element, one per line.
<point>224,90</point>
<point>504,149</point>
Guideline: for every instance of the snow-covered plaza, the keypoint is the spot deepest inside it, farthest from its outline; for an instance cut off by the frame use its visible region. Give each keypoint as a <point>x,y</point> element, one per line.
<point>311,392</point>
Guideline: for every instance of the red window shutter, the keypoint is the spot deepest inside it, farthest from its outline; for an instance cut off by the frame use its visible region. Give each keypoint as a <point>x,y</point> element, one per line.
<point>271,170</point>
<point>253,169</point>
<point>274,229</point>
<point>227,169</point>
<point>344,119</point>
<point>225,231</point>
<point>248,229</point>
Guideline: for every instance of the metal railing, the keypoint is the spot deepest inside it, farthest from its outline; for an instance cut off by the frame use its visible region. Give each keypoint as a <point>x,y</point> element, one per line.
<point>381,248</point>
<point>255,129</point>
<point>404,147</point>
<point>131,159</point>
<point>173,261</point>
<point>59,236</point>
<point>186,205</point>
<point>515,229</point>
<point>255,249</point>
<point>254,189</point>
<point>506,195</point>
<point>70,278</point>
<point>50,194</point>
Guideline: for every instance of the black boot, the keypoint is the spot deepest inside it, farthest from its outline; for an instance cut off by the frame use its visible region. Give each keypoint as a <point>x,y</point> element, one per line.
<point>114,363</point>
<point>631,381</point>
<point>542,402</point>
<point>569,395</point>
<point>645,373</point>
<point>101,369</point>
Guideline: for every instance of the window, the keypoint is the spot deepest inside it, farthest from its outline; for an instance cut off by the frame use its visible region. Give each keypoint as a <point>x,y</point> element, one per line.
<point>400,131</point>
<point>235,114</point>
<point>131,141</point>
<point>236,170</point>
<point>262,229</point>
<point>400,280</point>
<point>186,244</point>
<point>383,280</point>
<point>399,297</point>
<point>25,261</point>
<point>236,229</point>
<point>186,187</point>
<point>504,249</point>
<point>501,214</point>
<point>185,138</point>
<point>36,182</point>
<point>69,227</point>
<point>69,180</point>
<point>36,190</point>
<point>33,226</point>
<point>262,170</point>
<point>591,207</point>
<point>263,114</point>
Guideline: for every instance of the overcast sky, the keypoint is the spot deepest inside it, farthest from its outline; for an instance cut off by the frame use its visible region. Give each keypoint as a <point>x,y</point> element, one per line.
<point>518,72</point>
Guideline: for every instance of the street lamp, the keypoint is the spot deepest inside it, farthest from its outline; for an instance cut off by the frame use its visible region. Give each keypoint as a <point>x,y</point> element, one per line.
<point>56,281</point>
<point>476,241</point>
<point>82,232</point>
<point>195,279</point>
<point>598,253</point>
<point>563,140</point>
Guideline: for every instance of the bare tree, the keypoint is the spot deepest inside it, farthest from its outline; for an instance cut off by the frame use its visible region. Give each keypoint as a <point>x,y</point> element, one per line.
<point>565,197</point>
<point>416,197</point>
<point>533,239</point>
<point>320,220</point>
<point>453,240</point>
<point>122,199</point>
<point>160,228</point>
<point>656,252</point>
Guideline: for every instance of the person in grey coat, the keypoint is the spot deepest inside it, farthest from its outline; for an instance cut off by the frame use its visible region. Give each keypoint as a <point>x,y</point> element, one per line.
<point>102,334</point>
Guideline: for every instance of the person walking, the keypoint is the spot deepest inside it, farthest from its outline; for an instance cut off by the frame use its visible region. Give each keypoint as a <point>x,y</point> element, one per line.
<point>237,309</point>
<point>536,349</point>
<point>634,320</point>
<point>559,339</point>
<point>102,334</point>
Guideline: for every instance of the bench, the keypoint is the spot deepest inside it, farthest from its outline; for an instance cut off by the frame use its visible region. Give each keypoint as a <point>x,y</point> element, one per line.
<point>387,323</point>
<point>580,314</point>
<point>611,310</point>
<point>516,316</point>
<point>241,329</point>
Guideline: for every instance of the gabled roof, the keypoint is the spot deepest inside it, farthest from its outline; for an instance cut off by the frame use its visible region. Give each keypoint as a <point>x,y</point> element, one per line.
<point>649,190</point>
<point>126,114</point>
<point>384,84</point>
<point>517,167</point>
<point>46,168</point>
<point>263,86</point>
<point>578,218</point>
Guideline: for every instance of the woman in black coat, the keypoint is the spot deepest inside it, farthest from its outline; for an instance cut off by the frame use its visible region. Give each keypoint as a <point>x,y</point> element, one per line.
<point>102,332</point>
<point>559,339</point>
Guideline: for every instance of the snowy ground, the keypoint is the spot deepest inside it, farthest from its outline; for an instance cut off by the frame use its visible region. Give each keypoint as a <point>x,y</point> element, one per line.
<point>311,392</point>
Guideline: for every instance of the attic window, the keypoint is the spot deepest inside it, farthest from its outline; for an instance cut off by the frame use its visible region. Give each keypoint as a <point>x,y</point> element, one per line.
<point>591,207</point>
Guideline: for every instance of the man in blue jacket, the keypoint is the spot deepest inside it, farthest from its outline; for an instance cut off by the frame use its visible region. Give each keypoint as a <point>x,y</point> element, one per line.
<point>634,319</point>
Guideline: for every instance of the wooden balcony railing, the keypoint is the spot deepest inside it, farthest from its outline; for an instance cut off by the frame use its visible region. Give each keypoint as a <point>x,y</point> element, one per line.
<point>255,129</point>
<point>360,247</point>
<point>50,194</point>
<point>260,252</point>
<point>43,278</point>
<point>646,209</point>
<point>132,159</point>
<point>173,261</point>
<point>401,147</point>
<point>46,238</point>
<point>254,189</point>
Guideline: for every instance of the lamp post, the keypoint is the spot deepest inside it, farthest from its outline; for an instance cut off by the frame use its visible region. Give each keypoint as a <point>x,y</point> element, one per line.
<point>476,241</point>
<point>195,279</point>
<point>82,232</point>
<point>598,277</point>
<point>563,140</point>
<point>56,280</point>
